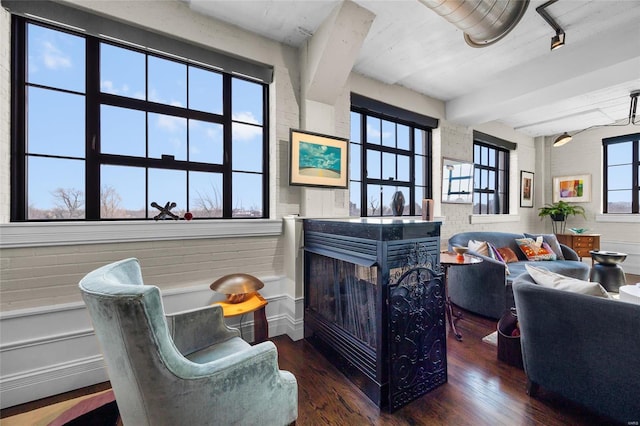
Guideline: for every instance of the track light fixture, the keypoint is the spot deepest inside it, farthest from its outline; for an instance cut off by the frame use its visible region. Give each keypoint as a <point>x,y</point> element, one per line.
<point>557,40</point>
<point>566,137</point>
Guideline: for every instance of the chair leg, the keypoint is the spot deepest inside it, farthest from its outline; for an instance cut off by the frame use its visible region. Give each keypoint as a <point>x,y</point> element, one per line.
<point>532,388</point>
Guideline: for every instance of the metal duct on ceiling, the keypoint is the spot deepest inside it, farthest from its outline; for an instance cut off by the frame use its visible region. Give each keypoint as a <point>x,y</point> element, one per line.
<point>483,22</point>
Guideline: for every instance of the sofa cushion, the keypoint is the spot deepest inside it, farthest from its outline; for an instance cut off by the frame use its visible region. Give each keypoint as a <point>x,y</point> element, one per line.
<point>508,255</point>
<point>550,239</point>
<point>536,250</point>
<point>550,279</point>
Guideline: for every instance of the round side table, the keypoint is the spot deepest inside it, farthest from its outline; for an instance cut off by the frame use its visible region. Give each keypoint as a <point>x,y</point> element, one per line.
<point>607,270</point>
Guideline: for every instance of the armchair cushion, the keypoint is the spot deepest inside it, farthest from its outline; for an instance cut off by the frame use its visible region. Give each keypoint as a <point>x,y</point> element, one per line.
<point>550,279</point>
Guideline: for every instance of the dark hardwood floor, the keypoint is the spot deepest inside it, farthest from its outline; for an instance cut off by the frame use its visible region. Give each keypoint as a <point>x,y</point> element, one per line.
<point>480,390</point>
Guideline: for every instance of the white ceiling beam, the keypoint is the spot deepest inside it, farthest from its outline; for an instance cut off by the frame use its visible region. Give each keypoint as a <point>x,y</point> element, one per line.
<point>333,49</point>
<point>598,63</point>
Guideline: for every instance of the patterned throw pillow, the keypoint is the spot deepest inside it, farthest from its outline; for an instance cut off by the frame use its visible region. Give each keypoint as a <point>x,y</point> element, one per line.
<point>550,239</point>
<point>535,250</point>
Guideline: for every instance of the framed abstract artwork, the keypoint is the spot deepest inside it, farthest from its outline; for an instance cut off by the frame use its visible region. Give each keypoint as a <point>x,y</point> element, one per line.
<point>526,189</point>
<point>318,160</point>
<point>576,188</point>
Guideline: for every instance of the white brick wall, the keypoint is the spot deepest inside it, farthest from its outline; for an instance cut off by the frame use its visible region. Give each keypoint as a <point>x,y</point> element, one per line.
<point>5,96</point>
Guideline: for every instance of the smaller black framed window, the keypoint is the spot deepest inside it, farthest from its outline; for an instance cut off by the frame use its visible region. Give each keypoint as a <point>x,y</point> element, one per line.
<point>491,175</point>
<point>621,183</point>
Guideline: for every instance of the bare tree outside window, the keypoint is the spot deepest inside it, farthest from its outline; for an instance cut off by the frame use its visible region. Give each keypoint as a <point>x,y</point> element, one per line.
<point>68,203</point>
<point>110,203</point>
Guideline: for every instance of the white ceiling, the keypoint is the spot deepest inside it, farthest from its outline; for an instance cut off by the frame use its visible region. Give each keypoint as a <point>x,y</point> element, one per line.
<point>517,81</point>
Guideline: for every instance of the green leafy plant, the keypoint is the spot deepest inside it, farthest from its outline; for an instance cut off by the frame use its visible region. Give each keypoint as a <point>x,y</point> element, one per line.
<point>559,212</point>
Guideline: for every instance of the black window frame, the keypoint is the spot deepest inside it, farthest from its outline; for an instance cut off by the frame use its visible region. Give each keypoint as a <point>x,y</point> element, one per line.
<point>415,122</point>
<point>478,186</point>
<point>94,99</point>
<point>634,138</point>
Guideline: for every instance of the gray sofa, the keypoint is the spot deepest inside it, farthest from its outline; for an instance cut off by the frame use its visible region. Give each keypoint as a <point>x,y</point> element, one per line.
<point>485,288</point>
<point>582,347</point>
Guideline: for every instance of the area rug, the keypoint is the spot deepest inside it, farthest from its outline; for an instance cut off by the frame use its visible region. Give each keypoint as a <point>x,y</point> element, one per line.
<point>491,339</point>
<point>98,410</point>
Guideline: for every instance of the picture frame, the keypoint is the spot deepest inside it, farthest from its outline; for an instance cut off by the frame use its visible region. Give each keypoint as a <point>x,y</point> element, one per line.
<point>573,188</point>
<point>526,189</point>
<point>457,181</point>
<point>318,160</point>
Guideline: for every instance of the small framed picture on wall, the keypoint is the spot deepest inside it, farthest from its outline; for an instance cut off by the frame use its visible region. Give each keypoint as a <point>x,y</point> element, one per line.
<point>526,189</point>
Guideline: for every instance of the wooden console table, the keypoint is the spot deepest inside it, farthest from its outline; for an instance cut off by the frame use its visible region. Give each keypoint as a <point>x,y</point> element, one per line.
<point>580,243</point>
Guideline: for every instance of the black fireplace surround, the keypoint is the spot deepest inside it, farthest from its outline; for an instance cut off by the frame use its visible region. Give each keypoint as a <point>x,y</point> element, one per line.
<point>375,304</point>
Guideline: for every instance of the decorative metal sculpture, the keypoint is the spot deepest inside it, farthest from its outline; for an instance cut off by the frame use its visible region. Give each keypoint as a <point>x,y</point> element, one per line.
<point>397,203</point>
<point>237,287</point>
<point>165,211</point>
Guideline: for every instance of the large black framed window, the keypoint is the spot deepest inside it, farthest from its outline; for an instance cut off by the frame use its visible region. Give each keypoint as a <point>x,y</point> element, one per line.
<point>491,174</point>
<point>390,151</point>
<point>102,129</point>
<point>621,186</point>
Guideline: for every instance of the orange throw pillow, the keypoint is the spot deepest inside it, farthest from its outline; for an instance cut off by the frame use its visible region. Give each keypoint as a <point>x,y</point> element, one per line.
<point>507,254</point>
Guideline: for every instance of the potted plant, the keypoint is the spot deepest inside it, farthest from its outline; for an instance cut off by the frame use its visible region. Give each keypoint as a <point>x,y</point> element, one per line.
<point>558,212</point>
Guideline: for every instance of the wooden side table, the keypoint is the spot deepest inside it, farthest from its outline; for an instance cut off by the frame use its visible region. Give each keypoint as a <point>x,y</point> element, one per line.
<point>256,304</point>
<point>580,243</point>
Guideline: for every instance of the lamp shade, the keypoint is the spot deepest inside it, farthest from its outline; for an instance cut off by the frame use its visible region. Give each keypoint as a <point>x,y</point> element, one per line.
<point>236,284</point>
<point>562,139</point>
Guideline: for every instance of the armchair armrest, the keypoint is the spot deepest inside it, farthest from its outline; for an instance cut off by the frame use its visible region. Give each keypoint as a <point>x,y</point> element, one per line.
<point>198,328</point>
<point>568,253</point>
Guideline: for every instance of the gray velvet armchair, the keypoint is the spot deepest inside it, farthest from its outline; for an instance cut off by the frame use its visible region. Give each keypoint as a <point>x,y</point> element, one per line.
<point>187,368</point>
<point>582,347</point>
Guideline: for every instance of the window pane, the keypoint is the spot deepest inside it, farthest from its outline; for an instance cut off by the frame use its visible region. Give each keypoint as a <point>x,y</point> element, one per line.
<point>126,81</point>
<point>355,127</point>
<point>420,194</point>
<point>167,186</point>
<point>373,164</point>
<point>247,195</point>
<point>484,179</point>
<point>492,158</point>
<point>476,203</point>
<point>491,183</point>
<point>56,123</point>
<point>205,194</point>
<point>620,177</point>
<point>55,188</point>
<point>55,59</point>
<point>122,131</point>
<point>374,202</point>
<point>354,161</point>
<point>205,90</point>
<point>620,153</point>
<point>388,134</point>
<point>354,199</point>
<point>205,142</point>
<point>484,155</point>
<point>420,164</point>
<point>404,164</point>
<point>122,193</point>
<point>388,166</point>
<point>476,154</point>
<point>247,147</point>
<point>420,141</point>
<point>246,101</point>
<point>619,202</point>
<point>373,130</point>
<point>167,136</point>
<point>403,137</point>
<point>167,82</point>
<point>501,159</point>
<point>476,178</point>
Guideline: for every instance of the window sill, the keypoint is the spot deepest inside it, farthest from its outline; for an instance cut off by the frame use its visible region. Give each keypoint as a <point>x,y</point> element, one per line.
<point>618,218</point>
<point>493,218</point>
<point>36,234</point>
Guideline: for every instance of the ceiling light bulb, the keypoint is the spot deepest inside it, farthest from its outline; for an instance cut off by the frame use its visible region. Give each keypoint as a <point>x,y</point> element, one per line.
<point>562,139</point>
